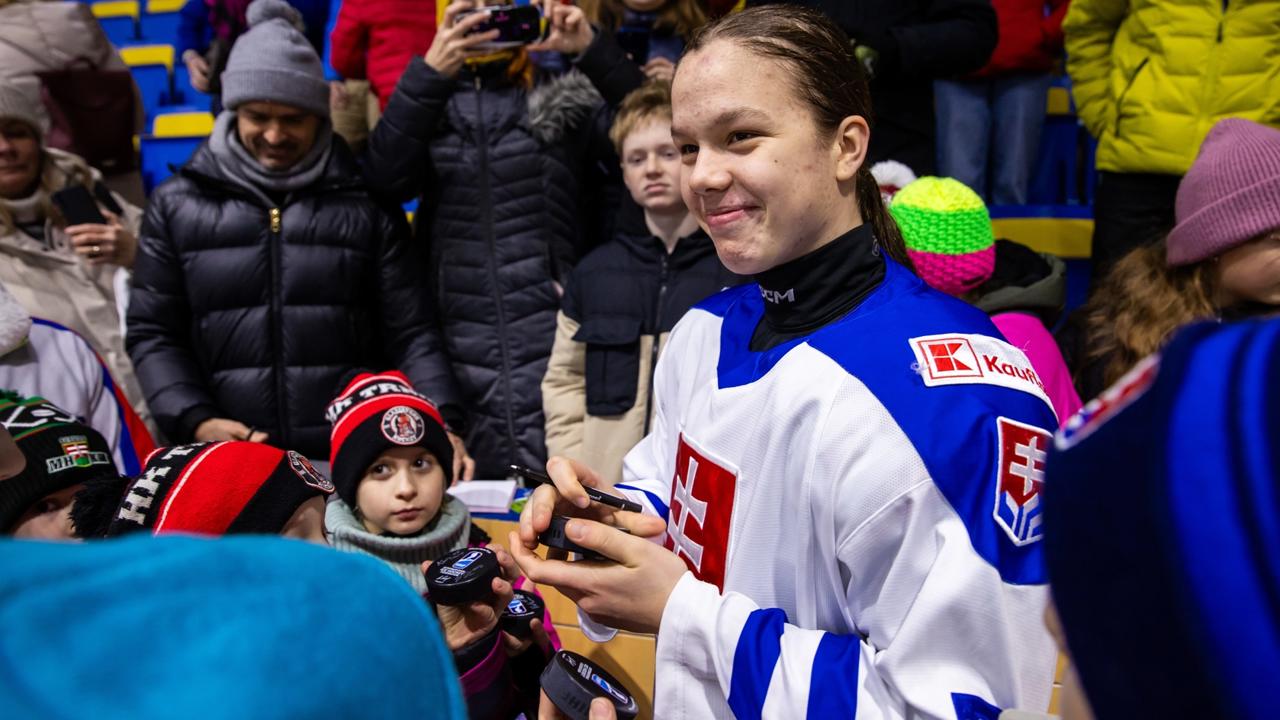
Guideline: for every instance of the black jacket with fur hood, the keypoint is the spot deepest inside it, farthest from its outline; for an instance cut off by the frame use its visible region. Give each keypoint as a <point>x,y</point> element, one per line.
<point>498,171</point>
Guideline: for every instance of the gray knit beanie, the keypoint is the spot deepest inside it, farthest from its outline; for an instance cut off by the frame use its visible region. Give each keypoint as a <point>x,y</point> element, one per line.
<point>274,62</point>
<point>18,105</point>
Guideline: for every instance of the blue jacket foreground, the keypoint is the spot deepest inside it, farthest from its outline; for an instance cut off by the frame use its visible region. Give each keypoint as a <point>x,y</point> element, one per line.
<point>250,627</point>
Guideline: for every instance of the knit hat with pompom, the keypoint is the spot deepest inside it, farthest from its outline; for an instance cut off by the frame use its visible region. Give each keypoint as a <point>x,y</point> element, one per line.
<point>948,233</point>
<point>274,62</point>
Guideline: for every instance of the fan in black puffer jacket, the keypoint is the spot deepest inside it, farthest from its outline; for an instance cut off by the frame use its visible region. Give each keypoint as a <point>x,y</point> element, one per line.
<point>499,171</point>
<point>248,311</point>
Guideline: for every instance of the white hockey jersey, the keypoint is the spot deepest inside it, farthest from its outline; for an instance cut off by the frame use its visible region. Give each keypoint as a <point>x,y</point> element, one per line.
<point>57,364</point>
<point>859,509</point>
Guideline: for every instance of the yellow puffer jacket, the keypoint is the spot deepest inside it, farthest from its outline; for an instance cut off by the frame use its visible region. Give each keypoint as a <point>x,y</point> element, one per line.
<point>1151,77</point>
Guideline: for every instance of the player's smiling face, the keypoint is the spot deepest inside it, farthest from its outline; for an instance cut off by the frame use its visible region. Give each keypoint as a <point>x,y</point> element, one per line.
<point>757,171</point>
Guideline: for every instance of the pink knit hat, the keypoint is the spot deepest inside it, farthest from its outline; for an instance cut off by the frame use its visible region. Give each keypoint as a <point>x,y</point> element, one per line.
<point>1230,195</point>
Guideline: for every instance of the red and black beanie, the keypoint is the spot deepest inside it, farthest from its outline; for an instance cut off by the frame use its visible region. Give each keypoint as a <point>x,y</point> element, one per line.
<point>376,412</point>
<point>219,488</point>
<point>60,450</point>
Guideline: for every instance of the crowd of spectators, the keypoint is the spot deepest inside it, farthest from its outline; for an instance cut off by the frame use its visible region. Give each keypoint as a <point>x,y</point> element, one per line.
<point>314,363</point>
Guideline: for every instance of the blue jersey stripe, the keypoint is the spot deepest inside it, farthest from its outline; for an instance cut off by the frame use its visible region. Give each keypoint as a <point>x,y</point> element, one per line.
<point>759,646</point>
<point>658,505</point>
<point>833,685</point>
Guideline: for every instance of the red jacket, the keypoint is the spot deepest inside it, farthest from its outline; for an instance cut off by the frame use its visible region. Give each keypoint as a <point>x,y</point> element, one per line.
<point>375,39</point>
<point>1030,40</point>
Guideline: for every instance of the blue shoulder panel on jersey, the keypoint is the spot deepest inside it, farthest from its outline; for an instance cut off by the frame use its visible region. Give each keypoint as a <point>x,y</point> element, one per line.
<point>833,685</point>
<point>953,427</point>
<point>759,646</point>
<point>719,303</point>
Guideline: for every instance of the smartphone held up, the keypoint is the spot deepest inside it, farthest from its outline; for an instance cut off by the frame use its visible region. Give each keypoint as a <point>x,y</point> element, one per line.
<point>516,25</point>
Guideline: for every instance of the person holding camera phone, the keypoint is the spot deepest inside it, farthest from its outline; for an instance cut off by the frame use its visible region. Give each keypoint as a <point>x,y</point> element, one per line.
<point>842,483</point>
<point>507,177</point>
<point>66,242</point>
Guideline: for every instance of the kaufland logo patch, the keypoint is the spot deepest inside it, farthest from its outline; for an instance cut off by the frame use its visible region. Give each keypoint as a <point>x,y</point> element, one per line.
<point>962,359</point>
<point>950,357</point>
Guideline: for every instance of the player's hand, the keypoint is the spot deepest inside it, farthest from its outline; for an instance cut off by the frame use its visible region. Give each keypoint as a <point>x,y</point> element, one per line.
<point>465,624</point>
<point>567,497</point>
<point>222,430</point>
<point>629,593</point>
<point>452,46</point>
<point>464,466</point>
<point>601,709</point>
<point>659,68</point>
<point>102,244</point>
<point>568,30</point>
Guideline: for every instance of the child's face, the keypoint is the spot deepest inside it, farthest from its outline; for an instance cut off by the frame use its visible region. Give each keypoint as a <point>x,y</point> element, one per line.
<point>49,518</point>
<point>651,167</point>
<point>1250,273</point>
<point>401,491</point>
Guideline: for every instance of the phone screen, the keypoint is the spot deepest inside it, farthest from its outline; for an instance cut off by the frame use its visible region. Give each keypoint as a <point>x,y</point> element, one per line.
<point>515,25</point>
<point>77,206</point>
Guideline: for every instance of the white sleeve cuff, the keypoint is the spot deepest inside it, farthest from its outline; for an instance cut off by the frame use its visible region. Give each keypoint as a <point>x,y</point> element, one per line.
<point>595,632</point>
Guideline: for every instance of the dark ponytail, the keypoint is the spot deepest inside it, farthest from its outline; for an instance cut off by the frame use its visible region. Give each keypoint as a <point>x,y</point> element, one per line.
<point>828,78</point>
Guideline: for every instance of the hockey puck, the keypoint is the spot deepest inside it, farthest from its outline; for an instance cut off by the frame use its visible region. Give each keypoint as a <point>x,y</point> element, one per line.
<point>523,609</point>
<point>554,536</point>
<point>571,682</point>
<point>463,576</point>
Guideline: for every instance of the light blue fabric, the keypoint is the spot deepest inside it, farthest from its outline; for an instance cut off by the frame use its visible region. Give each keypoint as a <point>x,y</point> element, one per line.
<point>248,627</point>
<point>989,132</point>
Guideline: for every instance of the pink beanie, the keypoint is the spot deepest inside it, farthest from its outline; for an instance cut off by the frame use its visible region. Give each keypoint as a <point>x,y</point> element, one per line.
<point>1230,195</point>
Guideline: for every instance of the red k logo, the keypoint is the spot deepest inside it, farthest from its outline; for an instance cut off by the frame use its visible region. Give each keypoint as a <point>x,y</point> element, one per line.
<point>701,510</point>
<point>950,357</point>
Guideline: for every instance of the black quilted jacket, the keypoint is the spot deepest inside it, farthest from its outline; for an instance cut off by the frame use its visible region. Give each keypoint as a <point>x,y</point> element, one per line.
<point>254,313</point>
<point>498,171</point>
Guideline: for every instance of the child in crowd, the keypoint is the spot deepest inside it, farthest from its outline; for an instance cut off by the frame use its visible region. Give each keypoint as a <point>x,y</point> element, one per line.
<point>950,240</point>
<point>62,454</point>
<point>506,174</point>
<point>1222,259</point>
<point>1160,532</point>
<point>623,299</point>
<point>391,462</point>
<point>222,488</point>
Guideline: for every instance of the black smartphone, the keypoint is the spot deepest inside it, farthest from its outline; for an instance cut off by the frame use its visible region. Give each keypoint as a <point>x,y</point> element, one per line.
<point>103,196</point>
<point>516,26</point>
<point>634,41</point>
<point>77,206</point>
<point>603,498</point>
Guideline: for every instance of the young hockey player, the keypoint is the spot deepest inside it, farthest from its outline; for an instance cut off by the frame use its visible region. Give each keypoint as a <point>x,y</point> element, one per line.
<point>849,462</point>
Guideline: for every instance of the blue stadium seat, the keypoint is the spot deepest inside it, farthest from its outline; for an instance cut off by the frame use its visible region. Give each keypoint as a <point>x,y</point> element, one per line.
<point>159,21</point>
<point>151,66</point>
<point>160,27</point>
<point>184,94</point>
<point>173,138</point>
<point>158,154</point>
<point>119,20</point>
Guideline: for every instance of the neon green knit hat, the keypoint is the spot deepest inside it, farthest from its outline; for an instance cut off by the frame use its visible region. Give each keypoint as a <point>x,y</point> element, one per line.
<point>948,233</point>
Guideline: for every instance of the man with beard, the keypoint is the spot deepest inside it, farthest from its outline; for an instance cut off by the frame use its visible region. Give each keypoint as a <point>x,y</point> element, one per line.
<point>267,272</point>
